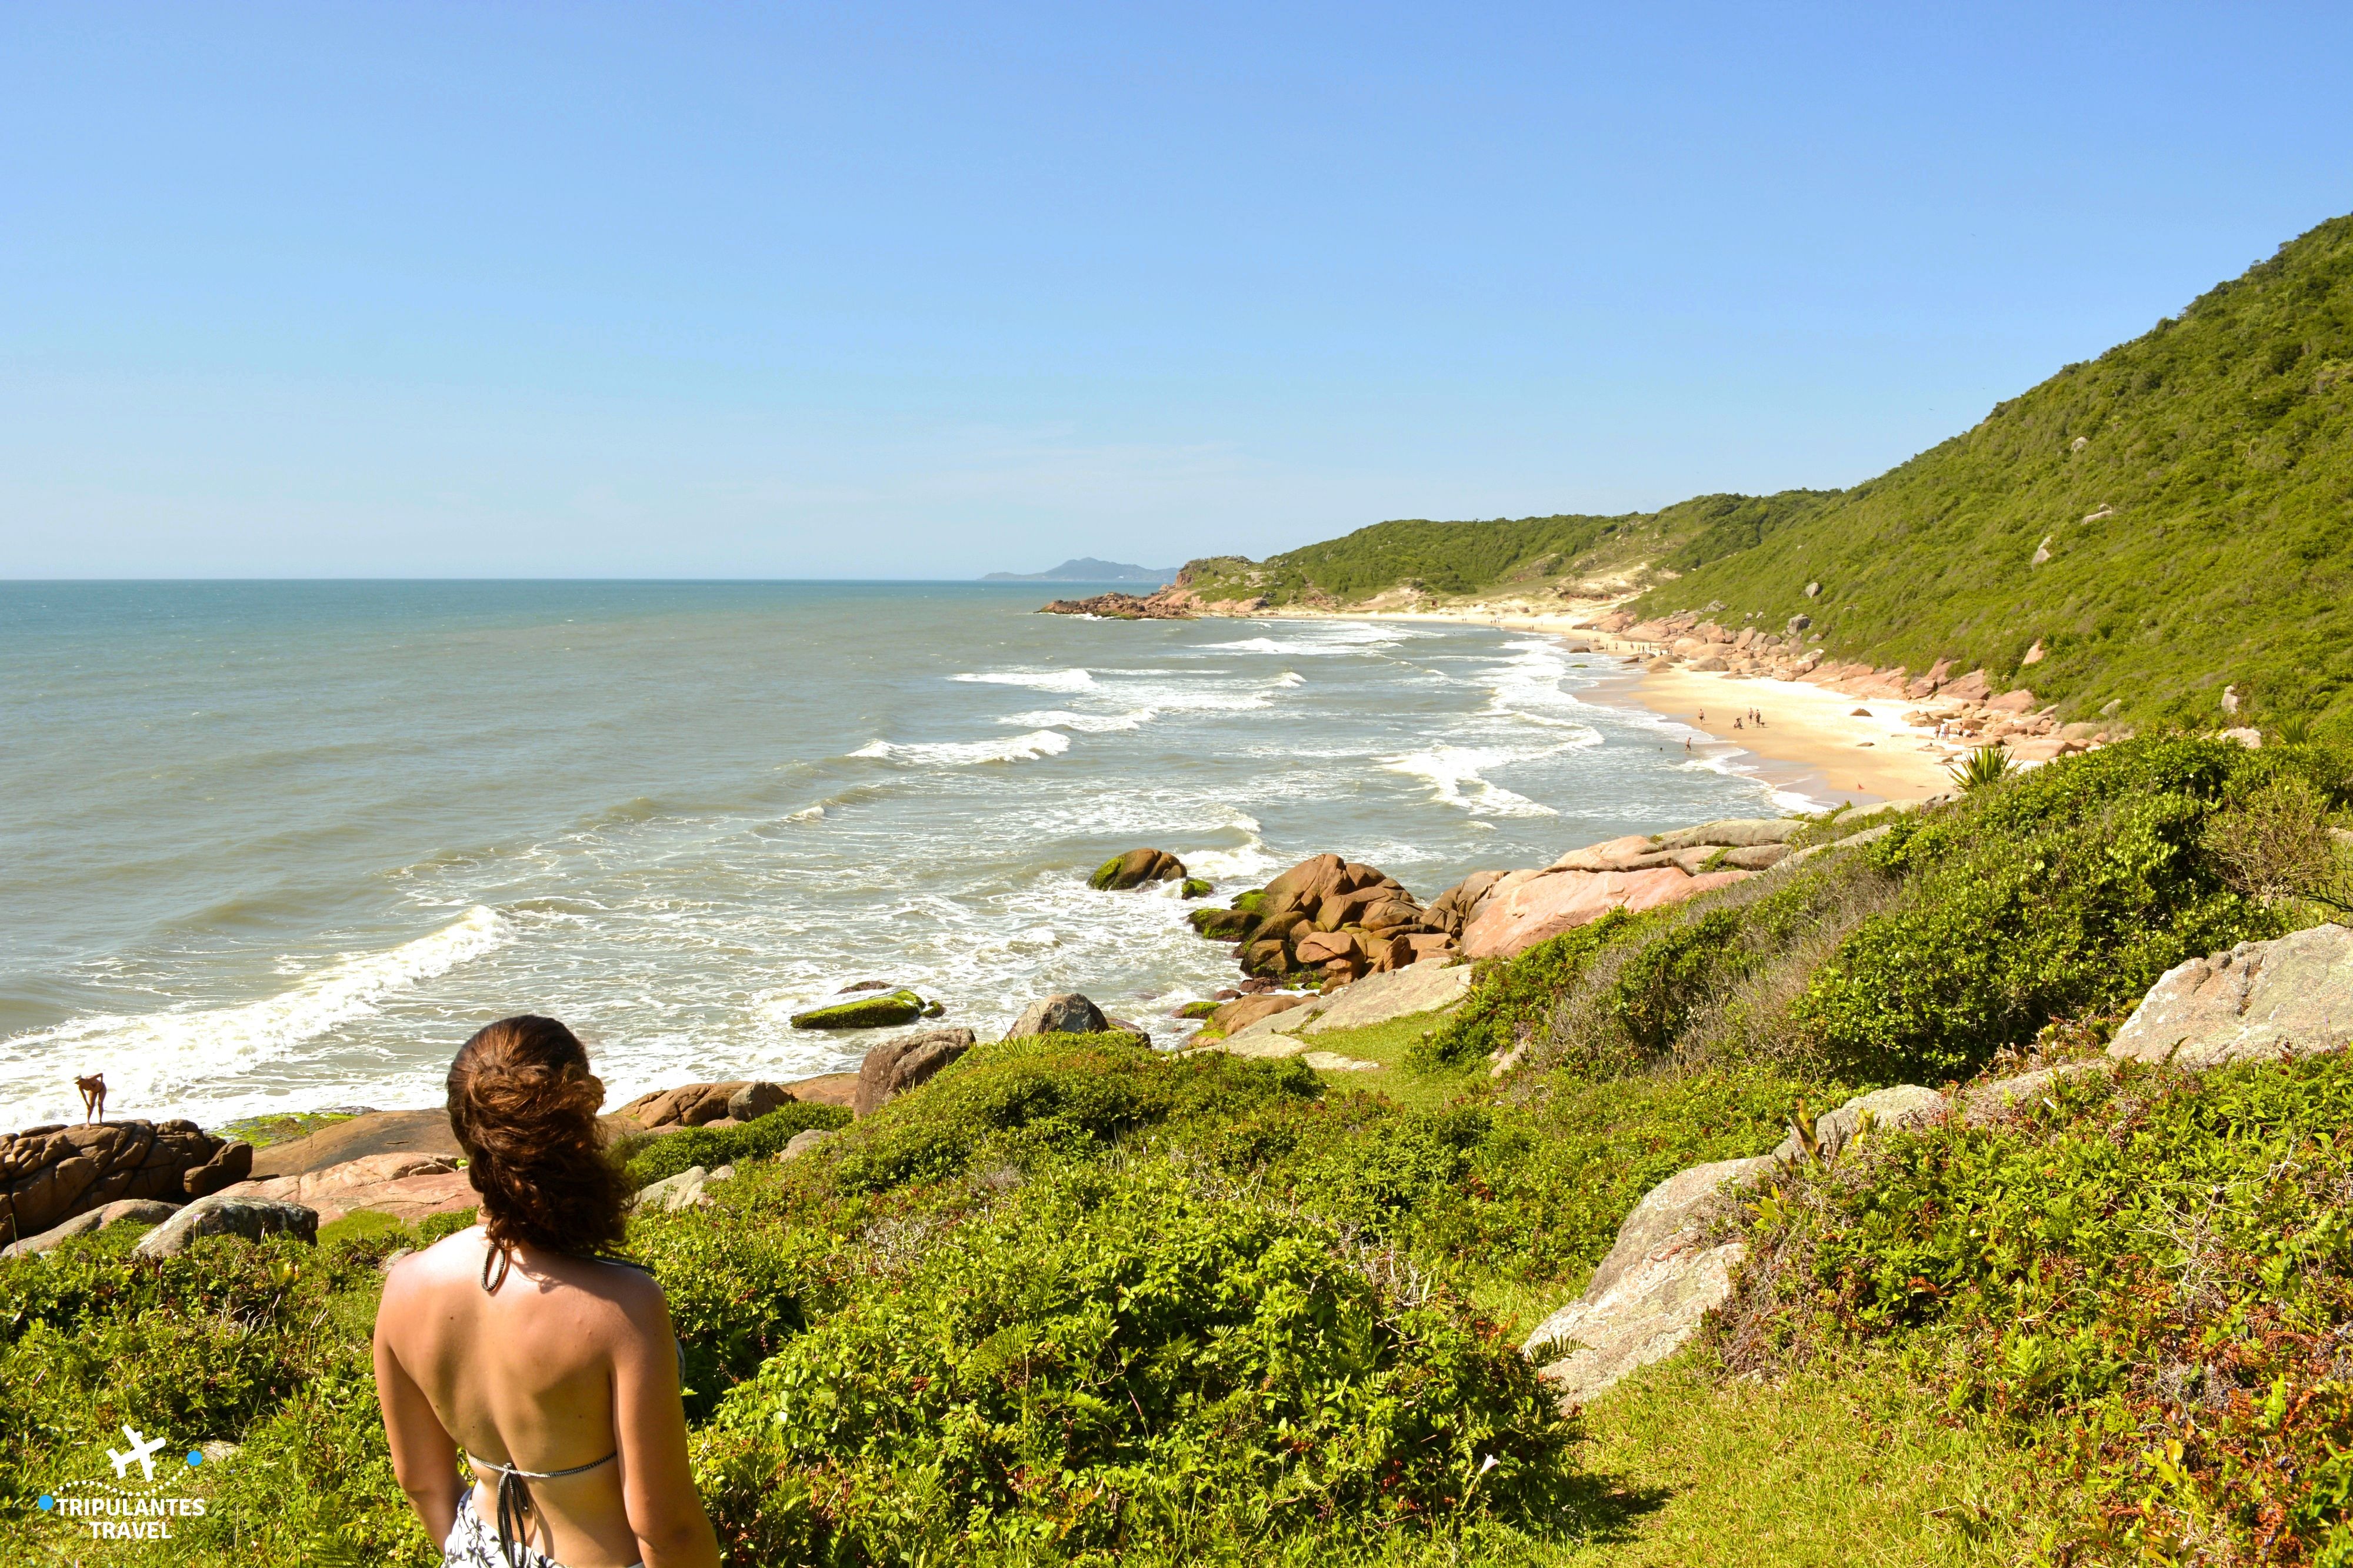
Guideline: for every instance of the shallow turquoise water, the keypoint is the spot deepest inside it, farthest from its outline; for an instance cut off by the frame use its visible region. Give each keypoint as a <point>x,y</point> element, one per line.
<point>284,844</point>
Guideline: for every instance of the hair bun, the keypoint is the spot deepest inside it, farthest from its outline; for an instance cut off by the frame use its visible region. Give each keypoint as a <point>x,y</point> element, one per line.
<point>523,1106</point>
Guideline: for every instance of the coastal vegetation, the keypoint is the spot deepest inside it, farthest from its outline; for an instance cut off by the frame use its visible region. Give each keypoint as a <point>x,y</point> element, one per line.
<point>1076,1301</point>
<point>2137,535</point>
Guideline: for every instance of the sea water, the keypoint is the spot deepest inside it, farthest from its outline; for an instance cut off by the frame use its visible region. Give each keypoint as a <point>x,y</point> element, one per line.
<point>284,846</point>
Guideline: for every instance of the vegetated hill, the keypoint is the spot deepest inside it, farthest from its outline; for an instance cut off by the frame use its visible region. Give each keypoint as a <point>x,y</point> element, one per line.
<point>1459,558</point>
<point>2193,489</point>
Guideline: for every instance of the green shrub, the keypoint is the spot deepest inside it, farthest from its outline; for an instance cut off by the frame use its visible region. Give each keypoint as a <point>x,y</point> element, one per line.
<point>435,1227</point>
<point>1514,995</point>
<point>2066,891</point>
<point>1116,1362</point>
<point>253,1343</point>
<point>2147,1275</point>
<point>1048,1097</point>
<point>668,1153</point>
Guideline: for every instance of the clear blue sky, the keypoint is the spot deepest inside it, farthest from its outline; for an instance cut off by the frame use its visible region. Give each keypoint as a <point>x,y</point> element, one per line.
<point>644,289</point>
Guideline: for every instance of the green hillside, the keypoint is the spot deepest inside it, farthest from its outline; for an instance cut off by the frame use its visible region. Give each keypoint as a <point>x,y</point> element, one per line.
<point>2193,488</point>
<point>1463,558</point>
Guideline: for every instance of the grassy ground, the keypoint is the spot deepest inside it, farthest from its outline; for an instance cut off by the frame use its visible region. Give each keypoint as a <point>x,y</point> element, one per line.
<point>1814,1469</point>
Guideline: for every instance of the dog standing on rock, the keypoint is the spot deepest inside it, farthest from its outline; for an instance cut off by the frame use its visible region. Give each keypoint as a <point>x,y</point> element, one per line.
<point>93,1098</point>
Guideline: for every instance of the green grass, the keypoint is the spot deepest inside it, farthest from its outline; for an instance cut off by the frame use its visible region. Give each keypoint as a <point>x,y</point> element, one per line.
<point>2193,486</point>
<point>1816,1469</point>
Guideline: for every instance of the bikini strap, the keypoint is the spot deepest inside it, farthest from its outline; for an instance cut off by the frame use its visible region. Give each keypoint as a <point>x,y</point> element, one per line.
<point>514,1500</point>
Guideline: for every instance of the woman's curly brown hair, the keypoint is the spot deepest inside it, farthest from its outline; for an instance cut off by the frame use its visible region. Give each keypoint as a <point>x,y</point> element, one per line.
<point>524,1105</point>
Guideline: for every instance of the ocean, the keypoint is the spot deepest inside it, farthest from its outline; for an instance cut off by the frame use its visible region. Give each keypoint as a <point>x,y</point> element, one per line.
<point>283,846</point>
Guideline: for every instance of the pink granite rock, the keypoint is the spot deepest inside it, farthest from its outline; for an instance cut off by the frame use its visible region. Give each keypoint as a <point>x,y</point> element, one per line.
<point>1527,908</point>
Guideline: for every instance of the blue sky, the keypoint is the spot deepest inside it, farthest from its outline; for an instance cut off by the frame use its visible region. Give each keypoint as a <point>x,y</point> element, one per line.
<point>511,290</point>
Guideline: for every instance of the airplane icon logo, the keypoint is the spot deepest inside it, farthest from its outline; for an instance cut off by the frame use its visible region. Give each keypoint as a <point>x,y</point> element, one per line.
<point>142,1453</point>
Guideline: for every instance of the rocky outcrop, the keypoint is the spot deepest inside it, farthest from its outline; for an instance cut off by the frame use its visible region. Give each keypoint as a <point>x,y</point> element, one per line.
<point>220,1215</point>
<point>731,1102</point>
<point>671,1194</point>
<point>49,1174</point>
<point>1530,906</point>
<point>1136,868</point>
<point>801,1143</point>
<point>373,1132</point>
<point>1663,1276</point>
<point>2261,1000</point>
<point>1168,605</point>
<point>121,1211</point>
<point>1382,998</point>
<point>1335,919</point>
<point>1066,1013</point>
<point>881,1010</point>
<point>406,1186</point>
<point>894,1066</point>
<point>1237,1016</point>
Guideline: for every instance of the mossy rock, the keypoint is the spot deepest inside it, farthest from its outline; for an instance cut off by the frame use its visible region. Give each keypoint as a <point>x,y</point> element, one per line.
<point>1250,903</point>
<point>1135,869</point>
<point>1222,925</point>
<point>1194,888</point>
<point>1197,1009</point>
<point>878,1011</point>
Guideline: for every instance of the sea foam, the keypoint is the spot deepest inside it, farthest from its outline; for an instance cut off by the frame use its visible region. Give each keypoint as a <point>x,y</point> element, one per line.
<point>1026,748</point>
<point>156,1059</point>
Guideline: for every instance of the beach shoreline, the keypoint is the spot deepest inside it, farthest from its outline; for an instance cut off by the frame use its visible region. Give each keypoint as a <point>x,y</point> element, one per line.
<point>1823,746</point>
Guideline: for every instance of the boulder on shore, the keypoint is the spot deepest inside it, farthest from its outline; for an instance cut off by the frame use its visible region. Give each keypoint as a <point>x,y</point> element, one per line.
<point>221,1214</point>
<point>375,1133</point>
<point>1529,907</point>
<point>1236,1016</point>
<point>1066,1013</point>
<point>2292,995</point>
<point>878,1011</point>
<point>1135,868</point>
<point>894,1066</point>
<point>121,1211</point>
<point>406,1186</point>
<point>1662,1278</point>
<point>49,1174</point>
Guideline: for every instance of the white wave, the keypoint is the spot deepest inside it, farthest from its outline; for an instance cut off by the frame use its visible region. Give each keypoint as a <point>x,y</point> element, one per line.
<point>1317,640</point>
<point>1035,679</point>
<point>810,814</point>
<point>1084,723</point>
<point>1453,773</point>
<point>1026,748</point>
<point>1291,677</point>
<point>1242,861</point>
<point>153,1059</point>
<point>1528,687</point>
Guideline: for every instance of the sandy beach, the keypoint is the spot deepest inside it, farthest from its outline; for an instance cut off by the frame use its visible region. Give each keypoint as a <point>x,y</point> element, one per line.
<point>1826,745</point>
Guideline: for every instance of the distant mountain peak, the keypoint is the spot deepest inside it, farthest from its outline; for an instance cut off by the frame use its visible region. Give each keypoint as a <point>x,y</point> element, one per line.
<point>1087,569</point>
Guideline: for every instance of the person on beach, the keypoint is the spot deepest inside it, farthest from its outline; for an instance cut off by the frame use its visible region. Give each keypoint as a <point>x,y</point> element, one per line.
<point>552,1364</point>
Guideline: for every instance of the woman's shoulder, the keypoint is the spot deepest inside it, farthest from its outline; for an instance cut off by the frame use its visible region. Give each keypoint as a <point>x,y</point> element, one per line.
<point>457,1255</point>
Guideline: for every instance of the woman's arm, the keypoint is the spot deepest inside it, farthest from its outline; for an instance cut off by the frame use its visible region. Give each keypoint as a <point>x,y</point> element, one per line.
<point>424,1455</point>
<point>656,1483</point>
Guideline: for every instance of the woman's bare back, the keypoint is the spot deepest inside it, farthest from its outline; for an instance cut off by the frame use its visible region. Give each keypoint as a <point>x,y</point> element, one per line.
<point>566,1364</point>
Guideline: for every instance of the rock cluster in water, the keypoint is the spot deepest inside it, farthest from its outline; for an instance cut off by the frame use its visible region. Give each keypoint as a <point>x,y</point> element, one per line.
<point>1328,921</point>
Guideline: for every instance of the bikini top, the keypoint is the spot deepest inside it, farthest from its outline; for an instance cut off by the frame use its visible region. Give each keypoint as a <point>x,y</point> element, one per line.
<point>515,1494</point>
